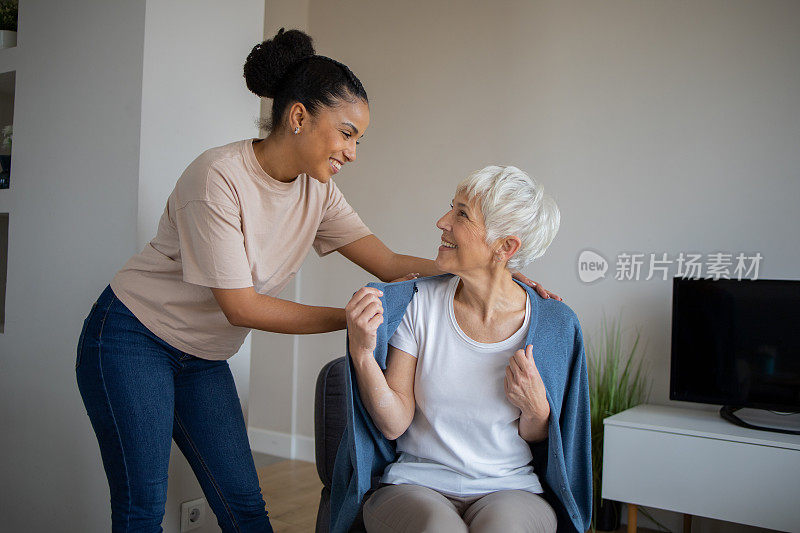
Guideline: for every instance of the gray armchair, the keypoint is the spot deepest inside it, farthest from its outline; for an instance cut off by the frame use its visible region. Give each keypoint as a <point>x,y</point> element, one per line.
<point>329,424</point>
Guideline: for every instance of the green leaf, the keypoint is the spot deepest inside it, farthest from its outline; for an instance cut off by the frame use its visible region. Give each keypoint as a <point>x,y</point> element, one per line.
<point>616,382</point>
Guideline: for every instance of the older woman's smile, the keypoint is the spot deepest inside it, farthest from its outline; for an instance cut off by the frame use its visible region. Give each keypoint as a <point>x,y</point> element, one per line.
<point>447,245</point>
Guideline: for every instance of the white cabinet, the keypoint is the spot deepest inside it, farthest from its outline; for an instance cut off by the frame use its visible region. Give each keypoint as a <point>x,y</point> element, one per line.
<point>693,462</point>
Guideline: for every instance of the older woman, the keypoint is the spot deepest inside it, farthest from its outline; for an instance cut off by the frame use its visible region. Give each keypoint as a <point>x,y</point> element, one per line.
<point>461,392</point>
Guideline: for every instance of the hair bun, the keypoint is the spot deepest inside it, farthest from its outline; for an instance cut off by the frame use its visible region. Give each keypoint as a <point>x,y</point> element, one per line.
<point>269,61</point>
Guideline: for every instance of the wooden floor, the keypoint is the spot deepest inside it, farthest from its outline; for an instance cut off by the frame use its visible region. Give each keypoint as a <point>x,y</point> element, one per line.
<point>291,490</point>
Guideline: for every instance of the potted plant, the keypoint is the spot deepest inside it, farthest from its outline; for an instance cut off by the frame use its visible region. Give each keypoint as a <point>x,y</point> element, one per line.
<point>8,23</point>
<point>616,383</point>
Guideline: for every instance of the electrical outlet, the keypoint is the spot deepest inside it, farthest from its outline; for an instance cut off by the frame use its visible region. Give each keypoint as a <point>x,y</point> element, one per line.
<point>193,514</point>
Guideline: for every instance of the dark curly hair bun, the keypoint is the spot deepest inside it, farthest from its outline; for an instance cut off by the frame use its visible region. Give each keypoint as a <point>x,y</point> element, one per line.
<point>269,61</point>
<point>286,69</point>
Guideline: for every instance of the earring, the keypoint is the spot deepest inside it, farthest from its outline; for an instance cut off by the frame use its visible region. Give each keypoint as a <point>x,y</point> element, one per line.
<point>297,130</point>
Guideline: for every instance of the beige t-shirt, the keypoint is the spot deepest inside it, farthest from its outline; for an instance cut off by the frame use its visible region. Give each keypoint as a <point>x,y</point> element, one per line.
<point>228,224</point>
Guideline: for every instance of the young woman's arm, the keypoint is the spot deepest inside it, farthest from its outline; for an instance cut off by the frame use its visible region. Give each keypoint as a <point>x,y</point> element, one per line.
<point>249,309</point>
<point>376,258</point>
<point>389,397</point>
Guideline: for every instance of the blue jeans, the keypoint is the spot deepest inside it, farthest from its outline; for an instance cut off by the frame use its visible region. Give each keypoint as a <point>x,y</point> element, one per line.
<point>141,393</point>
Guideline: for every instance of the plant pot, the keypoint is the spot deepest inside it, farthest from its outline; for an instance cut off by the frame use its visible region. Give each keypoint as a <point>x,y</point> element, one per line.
<point>607,515</point>
<point>8,38</point>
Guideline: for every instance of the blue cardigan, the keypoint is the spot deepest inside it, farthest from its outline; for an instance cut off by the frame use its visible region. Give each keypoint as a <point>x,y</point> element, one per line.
<point>562,461</point>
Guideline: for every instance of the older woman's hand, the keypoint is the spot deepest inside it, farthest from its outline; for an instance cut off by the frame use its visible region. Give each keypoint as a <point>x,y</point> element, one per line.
<point>525,389</point>
<point>364,314</point>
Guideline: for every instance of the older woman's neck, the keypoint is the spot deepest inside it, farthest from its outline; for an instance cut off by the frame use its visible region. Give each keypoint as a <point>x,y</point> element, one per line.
<point>492,292</point>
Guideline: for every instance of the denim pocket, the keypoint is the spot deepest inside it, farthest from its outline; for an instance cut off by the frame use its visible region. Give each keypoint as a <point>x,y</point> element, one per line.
<point>83,335</point>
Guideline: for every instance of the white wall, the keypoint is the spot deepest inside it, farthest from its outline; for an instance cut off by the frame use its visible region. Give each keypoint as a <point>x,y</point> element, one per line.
<point>193,98</point>
<point>72,207</point>
<point>273,413</point>
<point>657,127</point>
<point>113,100</point>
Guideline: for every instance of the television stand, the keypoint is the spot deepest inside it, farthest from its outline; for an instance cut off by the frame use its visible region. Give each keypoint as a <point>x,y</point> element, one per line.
<point>691,461</point>
<point>728,412</point>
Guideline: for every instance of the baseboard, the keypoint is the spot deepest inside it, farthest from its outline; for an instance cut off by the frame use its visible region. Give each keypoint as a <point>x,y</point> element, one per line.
<point>304,448</point>
<point>270,442</point>
<point>281,444</point>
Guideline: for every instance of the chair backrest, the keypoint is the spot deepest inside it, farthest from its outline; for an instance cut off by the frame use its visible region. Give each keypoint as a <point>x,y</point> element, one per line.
<point>330,413</point>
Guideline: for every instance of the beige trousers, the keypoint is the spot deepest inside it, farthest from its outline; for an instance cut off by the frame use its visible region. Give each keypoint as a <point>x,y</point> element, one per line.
<point>417,509</point>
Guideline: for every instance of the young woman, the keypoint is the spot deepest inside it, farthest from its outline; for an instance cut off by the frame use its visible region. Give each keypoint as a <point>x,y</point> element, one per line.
<point>151,364</point>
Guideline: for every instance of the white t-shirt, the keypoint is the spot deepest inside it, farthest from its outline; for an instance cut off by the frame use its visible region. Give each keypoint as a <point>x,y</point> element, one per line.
<point>463,439</point>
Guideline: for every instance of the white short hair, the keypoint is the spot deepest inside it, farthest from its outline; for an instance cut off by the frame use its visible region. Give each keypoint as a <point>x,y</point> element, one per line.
<point>513,203</point>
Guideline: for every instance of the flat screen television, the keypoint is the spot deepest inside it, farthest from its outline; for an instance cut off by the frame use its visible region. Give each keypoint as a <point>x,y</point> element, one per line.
<point>736,343</point>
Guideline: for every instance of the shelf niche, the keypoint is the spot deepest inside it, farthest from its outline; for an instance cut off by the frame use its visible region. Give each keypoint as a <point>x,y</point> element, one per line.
<point>7,87</point>
<point>9,18</point>
<point>3,267</point>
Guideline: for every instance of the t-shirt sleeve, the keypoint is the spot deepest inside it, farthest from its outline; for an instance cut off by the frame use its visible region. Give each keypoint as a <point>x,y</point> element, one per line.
<point>212,245</point>
<point>340,224</point>
<point>404,337</point>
